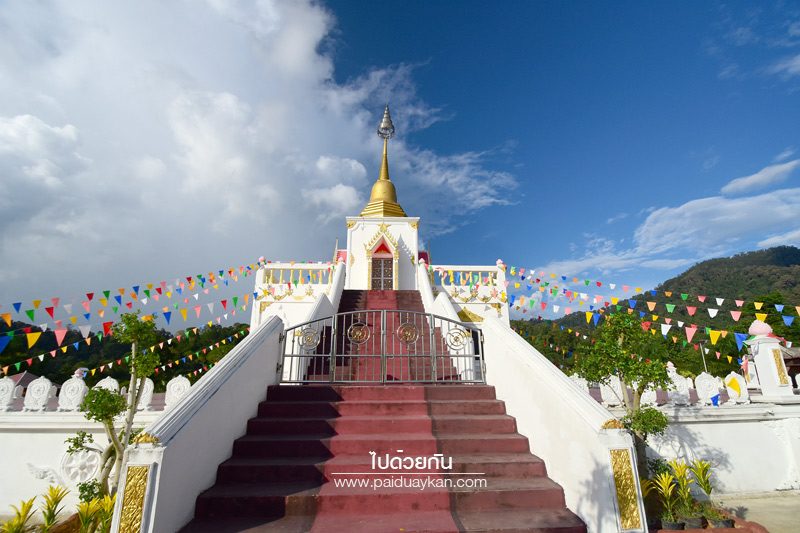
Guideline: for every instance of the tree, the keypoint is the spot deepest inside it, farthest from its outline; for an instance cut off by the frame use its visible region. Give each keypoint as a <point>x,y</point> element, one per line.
<point>105,406</point>
<point>623,348</point>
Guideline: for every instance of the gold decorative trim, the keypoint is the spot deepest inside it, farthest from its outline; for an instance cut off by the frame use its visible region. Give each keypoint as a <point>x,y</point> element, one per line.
<point>465,315</point>
<point>612,423</point>
<point>145,438</point>
<point>383,230</point>
<point>625,483</point>
<point>351,223</point>
<point>783,377</point>
<point>414,224</point>
<point>133,502</point>
<point>352,258</point>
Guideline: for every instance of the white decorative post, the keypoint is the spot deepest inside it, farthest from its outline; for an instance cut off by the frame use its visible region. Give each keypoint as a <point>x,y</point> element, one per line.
<point>679,396</point>
<point>177,388</point>
<point>707,387</point>
<point>72,392</point>
<point>7,387</point>
<point>38,393</point>
<point>108,383</point>
<point>580,382</point>
<point>611,393</point>
<point>768,358</point>
<point>737,388</point>
<point>146,395</point>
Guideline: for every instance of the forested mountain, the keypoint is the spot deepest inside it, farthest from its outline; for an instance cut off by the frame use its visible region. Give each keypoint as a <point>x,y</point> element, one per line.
<point>769,277</point>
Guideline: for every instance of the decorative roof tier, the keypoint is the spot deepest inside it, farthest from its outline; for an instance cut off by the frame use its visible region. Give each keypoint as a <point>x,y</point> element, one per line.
<point>383,198</point>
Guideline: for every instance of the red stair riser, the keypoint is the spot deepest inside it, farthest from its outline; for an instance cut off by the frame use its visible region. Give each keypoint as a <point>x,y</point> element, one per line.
<point>484,500</point>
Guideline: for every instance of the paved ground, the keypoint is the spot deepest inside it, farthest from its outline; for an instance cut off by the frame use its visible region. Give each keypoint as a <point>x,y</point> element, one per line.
<point>779,512</point>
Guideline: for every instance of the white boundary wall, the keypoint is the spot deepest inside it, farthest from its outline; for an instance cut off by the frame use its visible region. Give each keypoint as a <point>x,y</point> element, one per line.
<point>752,448</point>
<point>198,434</point>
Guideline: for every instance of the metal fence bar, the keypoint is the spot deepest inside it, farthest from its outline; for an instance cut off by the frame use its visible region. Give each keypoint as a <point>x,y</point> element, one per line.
<point>379,346</point>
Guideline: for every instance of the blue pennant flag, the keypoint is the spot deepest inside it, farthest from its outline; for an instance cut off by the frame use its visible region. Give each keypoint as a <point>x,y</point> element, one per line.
<point>596,318</point>
<point>632,303</point>
<point>715,400</point>
<point>740,338</point>
<point>4,340</point>
<point>17,306</point>
<point>788,319</point>
<point>167,315</point>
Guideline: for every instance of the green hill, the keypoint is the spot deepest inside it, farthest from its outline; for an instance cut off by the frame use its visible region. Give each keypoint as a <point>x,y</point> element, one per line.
<point>769,276</point>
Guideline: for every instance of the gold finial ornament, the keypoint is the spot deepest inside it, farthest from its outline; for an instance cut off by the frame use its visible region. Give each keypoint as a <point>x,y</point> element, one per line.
<point>383,198</point>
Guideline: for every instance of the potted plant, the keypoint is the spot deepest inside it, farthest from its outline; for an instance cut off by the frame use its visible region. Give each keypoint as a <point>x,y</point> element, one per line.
<point>702,473</point>
<point>687,508</point>
<point>665,485</point>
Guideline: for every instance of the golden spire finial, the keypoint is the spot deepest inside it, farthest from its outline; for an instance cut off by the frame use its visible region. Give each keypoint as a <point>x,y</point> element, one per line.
<point>383,197</point>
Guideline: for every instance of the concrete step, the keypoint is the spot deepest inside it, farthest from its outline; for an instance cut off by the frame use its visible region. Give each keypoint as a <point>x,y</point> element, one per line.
<point>314,409</point>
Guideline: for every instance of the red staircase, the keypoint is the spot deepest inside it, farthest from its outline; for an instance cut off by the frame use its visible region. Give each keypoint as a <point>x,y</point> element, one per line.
<point>283,473</point>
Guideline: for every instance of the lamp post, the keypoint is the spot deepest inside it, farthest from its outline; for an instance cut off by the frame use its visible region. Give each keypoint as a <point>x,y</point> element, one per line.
<point>703,354</point>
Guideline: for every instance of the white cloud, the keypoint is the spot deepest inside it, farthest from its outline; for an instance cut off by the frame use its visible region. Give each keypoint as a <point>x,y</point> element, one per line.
<point>784,155</point>
<point>616,218</point>
<point>766,176</point>
<point>787,67</point>
<point>789,238</point>
<point>148,140</point>
<point>674,237</point>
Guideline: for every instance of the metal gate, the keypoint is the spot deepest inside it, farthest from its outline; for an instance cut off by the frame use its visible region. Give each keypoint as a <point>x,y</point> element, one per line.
<point>383,346</point>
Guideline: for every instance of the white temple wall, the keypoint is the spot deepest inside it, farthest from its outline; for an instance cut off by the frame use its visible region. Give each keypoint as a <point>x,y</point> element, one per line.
<point>32,453</point>
<point>753,448</point>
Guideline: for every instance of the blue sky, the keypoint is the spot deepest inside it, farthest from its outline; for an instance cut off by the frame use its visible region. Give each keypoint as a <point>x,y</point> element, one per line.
<point>604,140</point>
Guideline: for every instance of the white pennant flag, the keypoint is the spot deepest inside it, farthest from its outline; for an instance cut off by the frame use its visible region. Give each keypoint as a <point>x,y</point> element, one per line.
<point>196,296</point>
<point>169,341</point>
<point>665,329</point>
<point>712,312</point>
<point>43,327</point>
<point>41,357</point>
<point>144,301</point>
<point>85,330</point>
<point>680,324</point>
<point>612,285</point>
<point>68,308</point>
<point>556,308</point>
<point>210,308</point>
<point>720,300</point>
<point>226,316</point>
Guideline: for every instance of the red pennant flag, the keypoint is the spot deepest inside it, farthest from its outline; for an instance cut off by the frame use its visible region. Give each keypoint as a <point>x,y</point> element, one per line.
<point>50,311</point>
<point>89,296</point>
<point>107,328</point>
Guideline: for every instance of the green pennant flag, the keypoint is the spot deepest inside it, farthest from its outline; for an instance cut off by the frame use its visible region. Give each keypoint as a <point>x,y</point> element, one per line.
<point>106,294</point>
<point>684,296</point>
<point>114,308</point>
<point>99,337</point>
<point>684,344</point>
<point>30,313</point>
<point>586,282</point>
<point>127,358</point>
<point>10,334</point>
<point>618,307</point>
<point>16,365</point>
<point>235,300</point>
<point>670,307</point>
<point>147,292</point>
<point>707,329</point>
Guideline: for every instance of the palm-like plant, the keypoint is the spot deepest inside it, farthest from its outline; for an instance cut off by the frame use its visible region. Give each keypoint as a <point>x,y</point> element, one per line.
<point>22,515</point>
<point>105,512</point>
<point>683,481</point>
<point>665,485</point>
<point>702,474</point>
<point>87,515</point>
<point>51,507</point>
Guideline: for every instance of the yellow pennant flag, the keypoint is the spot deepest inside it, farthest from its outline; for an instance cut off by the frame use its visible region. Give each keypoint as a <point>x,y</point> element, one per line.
<point>614,300</point>
<point>588,316</point>
<point>183,314</point>
<point>36,304</point>
<point>758,304</point>
<point>32,338</point>
<point>93,371</point>
<point>761,316</point>
<point>733,384</point>
<point>714,335</point>
<point>6,318</point>
<point>655,318</point>
<point>730,359</point>
<point>64,349</point>
<point>73,319</point>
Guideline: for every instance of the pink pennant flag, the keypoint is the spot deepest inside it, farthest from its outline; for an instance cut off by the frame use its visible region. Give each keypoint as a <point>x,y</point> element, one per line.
<point>701,298</point>
<point>55,301</point>
<point>739,303</point>
<point>197,310</point>
<point>60,334</point>
<point>86,305</point>
<point>690,331</point>
<point>625,288</point>
<point>735,315</point>
<point>691,310</point>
